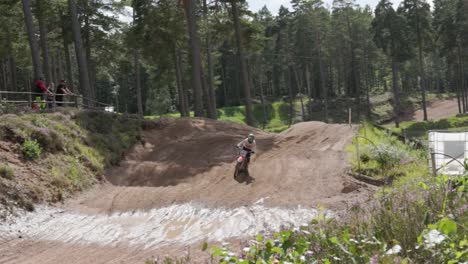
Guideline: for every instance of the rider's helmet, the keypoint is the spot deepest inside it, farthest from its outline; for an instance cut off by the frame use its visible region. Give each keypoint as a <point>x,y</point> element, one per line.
<point>251,137</point>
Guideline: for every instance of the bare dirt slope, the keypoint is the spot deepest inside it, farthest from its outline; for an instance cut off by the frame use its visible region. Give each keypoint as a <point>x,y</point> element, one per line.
<point>192,160</point>
<point>435,110</point>
<point>177,189</point>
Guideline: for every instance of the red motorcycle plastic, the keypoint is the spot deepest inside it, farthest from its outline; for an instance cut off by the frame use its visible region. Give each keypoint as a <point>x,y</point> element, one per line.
<point>242,164</point>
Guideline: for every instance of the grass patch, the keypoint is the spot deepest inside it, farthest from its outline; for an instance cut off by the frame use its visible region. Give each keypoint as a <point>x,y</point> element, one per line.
<point>273,118</point>
<point>31,149</point>
<point>421,128</point>
<point>378,154</point>
<point>74,150</point>
<point>6,172</point>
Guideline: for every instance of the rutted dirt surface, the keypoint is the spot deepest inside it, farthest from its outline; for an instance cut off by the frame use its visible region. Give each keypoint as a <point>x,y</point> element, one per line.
<point>435,110</point>
<point>177,189</point>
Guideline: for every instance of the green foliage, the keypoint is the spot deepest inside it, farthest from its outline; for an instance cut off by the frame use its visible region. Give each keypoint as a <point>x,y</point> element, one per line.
<point>386,156</point>
<point>82,145</point>
<point>405,224</point>
<point>420,129</point>
<point>31,149</point>
<point>382,155</point>
<point>6,172</point>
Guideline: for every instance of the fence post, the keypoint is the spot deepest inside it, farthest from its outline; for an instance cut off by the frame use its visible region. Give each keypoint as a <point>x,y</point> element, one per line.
<point>433,161</point>
<point>358,154</point>
<point>349,116</point>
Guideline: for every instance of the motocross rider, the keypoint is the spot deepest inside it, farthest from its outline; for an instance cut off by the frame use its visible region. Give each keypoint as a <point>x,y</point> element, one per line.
<point>249,145</point>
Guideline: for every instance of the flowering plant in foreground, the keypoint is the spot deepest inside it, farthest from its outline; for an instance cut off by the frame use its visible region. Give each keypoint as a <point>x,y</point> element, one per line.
<point>442,235</point>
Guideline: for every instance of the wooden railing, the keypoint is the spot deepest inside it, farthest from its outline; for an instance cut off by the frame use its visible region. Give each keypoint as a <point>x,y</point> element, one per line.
<point>72,100</point>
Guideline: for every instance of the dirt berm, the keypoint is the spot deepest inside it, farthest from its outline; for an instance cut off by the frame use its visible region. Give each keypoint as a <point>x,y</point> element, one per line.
<point>192,160</point>
<point>177,190</point>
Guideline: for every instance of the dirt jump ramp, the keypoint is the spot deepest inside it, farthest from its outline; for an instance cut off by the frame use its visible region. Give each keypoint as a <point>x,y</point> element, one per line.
<point>192,160</point>
<point>177,190</point>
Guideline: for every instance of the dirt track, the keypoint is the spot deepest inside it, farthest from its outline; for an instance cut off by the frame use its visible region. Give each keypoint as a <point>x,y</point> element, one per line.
<point>180,184</point>
<point>435,110</point>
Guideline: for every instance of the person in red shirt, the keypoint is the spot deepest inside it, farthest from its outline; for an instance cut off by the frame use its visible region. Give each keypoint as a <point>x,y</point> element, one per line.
<point>40,93</point>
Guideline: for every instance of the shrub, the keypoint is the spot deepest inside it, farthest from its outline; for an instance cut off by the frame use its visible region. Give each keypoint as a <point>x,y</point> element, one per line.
<point>6,172</point>
<point>48,138</point>
<point>387,156</point>
<point>364,157</point>
<point>31,149</point>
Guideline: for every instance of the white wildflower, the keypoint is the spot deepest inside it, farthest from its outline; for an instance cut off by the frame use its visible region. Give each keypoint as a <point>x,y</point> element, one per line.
<point>434,237</point>
<point>306,232</point>
<point>354,241</point>
<point>304,225</point>
<point>308,252</point>
<point>302,258</point>
<point>394,250</point>
<point>296,229</point>
<point>246,249</point>
<point>336,258</point>
<point>225,244</point>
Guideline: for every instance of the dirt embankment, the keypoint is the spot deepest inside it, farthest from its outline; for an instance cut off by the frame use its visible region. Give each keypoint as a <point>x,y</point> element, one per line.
<point>192,160</point>
<point>177,189</point>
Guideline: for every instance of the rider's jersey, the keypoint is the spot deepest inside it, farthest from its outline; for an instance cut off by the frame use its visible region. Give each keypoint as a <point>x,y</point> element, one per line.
<point>246,144</point>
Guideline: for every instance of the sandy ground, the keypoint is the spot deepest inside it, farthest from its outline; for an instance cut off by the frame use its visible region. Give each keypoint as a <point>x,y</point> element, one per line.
<point>177,190</point>
<point>435,110</point>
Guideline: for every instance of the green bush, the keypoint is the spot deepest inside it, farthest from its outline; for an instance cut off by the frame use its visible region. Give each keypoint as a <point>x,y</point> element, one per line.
<point>387,156</point>
<point>418,221</point>
<point>31,149</point>
<point>6,172</point>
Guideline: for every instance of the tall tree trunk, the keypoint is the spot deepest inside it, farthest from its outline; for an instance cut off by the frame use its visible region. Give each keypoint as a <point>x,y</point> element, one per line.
<point>452,80</point>
<point>354,74</point>
<point>189,6</point>
<point>366,71</point>
<point>206,95</point>
<point>66,49</point>
<point>262,99</point>
<point>53,67</point>
<point>223,77</point>
<point>3,67</point>
<point>462,78</point>
<point>180,89</point>
<point>80,53</point>
<point>43,40</point>
<point>14,81</point>
<point>184,84</point>
<point>299,84</point>
<point>136,62</point>
<point>211,90</point>
<point>60,74</point>
<point>89,59</point>
<point>69,69</point>
<point>322,76</point>
<point>396,98</point>
<point>243,66</point>
<point>32,40</point>
<point>309,90</point>
<point>366,83</point>
<point>290,95</point>
<point>422,82</point>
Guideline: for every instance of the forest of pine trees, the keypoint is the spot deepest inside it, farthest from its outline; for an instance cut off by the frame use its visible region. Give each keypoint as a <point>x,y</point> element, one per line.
<point>200,55</point>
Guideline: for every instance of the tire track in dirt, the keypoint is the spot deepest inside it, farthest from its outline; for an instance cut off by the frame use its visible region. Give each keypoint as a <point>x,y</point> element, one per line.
<point>177,189</point>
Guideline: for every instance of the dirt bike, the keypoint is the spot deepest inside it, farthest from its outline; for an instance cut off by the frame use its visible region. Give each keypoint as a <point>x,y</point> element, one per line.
<point>242,163</point>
